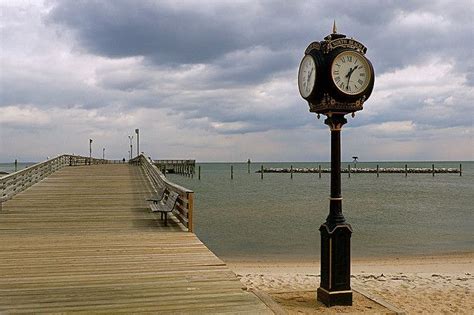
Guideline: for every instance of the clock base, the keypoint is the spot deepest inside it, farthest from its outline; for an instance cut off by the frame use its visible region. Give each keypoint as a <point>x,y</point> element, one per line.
<point>335,297</point>
<point>335,287</point>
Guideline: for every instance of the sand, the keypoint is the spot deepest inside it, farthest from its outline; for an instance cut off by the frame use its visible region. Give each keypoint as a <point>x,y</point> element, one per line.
<point>425,284</point>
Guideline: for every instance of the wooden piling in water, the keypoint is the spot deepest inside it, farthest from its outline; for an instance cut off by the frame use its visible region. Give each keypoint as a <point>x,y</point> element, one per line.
<point>319,168</point>
<point>16,165</point>
<point>406,170</point>
<point>291,171</point>
<point>261,172</point>
<point>248,166</point>
<point>232,172</point>
<point>349,170</point>
<point>460,169</point>
<point>433,169</point>
<point>377,170</point>
<point>199,172</point>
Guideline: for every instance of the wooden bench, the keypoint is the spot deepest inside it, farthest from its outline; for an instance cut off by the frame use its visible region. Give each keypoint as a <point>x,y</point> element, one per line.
<point>159,196</point>
<point>165,206</point>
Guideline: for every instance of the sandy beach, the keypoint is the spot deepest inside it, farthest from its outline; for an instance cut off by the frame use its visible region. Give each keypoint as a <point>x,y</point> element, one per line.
<point>424,284</point>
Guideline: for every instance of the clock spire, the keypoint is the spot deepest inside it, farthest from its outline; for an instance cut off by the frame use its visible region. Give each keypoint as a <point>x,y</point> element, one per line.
<point>334,35</point>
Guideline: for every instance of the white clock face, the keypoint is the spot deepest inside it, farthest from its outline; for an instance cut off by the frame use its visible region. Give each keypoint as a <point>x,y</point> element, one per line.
<point>350,72</point>
<point>307,76</point>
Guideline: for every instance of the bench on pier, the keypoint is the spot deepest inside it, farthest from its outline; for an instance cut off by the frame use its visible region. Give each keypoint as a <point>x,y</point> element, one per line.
<point>165,205</point>
<point>159,196</point>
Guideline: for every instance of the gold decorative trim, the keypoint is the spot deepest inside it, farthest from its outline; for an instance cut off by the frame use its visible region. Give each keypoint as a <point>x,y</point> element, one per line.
<point>334,292</point>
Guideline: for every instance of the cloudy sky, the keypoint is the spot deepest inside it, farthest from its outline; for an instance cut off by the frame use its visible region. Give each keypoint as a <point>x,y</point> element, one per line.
<point>216,80</point>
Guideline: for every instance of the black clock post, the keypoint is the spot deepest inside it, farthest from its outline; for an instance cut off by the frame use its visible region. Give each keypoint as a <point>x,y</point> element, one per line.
<point>336,79</point>
<point>335,287</point>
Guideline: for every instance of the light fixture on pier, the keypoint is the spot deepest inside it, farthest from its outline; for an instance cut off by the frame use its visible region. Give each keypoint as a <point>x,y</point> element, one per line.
<point>138,141</point>
<point>90,151</point>
<point>131,146</point>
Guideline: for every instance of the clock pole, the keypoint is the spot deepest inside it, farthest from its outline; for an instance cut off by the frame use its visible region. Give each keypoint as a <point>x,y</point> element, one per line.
<point>335,287</point>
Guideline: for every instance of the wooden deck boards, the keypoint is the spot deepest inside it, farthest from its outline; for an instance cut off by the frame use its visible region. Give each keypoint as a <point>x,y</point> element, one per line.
<point>83,240</point>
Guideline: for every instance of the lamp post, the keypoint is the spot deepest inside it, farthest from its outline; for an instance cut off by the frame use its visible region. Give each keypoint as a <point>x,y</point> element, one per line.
<point>138,141</point>
<point>131,146</point>
<point>90,151</point>
<point>336,79</point>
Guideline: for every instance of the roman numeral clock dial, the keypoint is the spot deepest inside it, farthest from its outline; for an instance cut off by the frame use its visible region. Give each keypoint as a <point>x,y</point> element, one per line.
<point>350,72</point>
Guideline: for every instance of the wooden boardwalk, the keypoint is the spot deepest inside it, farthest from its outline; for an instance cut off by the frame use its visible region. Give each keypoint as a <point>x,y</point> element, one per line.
<point>83,240</point>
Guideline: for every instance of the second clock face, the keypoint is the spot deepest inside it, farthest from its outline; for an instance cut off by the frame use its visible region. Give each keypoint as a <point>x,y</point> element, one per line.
<point>307,76</point>
<point>350,72</point>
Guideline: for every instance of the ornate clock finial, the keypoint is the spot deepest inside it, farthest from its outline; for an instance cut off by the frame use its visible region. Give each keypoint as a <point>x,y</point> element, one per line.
<point>334,29</point>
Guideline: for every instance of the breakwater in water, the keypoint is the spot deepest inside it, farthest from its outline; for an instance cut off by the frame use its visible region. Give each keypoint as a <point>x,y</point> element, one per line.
<point>363,170</point>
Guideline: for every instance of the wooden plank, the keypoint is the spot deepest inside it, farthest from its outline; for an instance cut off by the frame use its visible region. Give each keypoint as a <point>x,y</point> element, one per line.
<point>84,240</point>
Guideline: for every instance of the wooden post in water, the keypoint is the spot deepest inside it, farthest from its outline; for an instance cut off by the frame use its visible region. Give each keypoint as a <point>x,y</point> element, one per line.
<point>432,168</point>
<point>16,165</point>
<point>232,172</point>
<point>248,166</point>
<point>349,170</point>
<point>199,172</point>
<point>377,170</point>
<point>261,172</point>
<point>406,170</point>
<point>291,171</point>
<point>460,169</point>
<point>319,168</point>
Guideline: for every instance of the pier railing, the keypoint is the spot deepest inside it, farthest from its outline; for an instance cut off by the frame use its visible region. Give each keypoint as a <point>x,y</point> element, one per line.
<point>14,183</point>
<point>184,210</point>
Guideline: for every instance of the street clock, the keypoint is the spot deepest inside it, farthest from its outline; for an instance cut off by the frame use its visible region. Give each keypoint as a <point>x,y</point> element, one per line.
<point>335,76</point>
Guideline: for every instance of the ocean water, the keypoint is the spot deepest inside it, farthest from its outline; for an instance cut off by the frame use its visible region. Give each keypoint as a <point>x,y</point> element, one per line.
<point>279,217</point>
<point>10,167</point>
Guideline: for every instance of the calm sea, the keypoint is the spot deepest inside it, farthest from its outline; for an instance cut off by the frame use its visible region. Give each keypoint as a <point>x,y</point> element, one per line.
<point>279,217</point>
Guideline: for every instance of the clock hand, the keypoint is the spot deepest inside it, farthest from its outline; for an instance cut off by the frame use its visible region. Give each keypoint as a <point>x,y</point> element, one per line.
<point>309,75</point>
<point>349,74</point>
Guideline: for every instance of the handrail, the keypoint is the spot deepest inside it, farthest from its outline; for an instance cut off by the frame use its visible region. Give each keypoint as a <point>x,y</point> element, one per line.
<point>16,182</point>
<point>184,211</point>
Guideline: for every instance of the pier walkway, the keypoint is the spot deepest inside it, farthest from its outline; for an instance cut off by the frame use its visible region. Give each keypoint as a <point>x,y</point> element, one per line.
<point>84,240</point>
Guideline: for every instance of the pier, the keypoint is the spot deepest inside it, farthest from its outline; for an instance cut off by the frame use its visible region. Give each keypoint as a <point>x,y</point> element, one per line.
<point>183,167</point>
<point>77,235</point>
